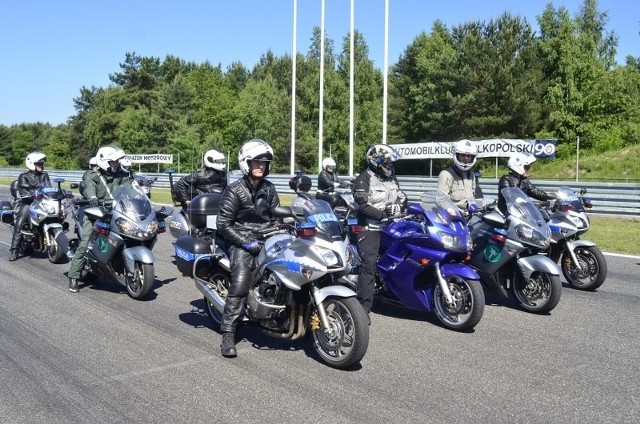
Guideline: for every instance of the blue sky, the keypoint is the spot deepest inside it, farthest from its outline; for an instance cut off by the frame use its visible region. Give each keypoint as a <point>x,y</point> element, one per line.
<point>49,49</point>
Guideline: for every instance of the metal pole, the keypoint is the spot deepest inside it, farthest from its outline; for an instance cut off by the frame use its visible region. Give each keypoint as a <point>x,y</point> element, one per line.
<point>386,72</point>
<point>294,57</point>
<point>351,89</point>
<point>321,106</point>
<point>577,157</point>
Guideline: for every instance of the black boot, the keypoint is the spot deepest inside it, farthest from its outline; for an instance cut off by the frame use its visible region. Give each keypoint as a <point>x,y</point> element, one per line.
<point>228,346</point>
<point>13,255</point>
<point>73,285</point>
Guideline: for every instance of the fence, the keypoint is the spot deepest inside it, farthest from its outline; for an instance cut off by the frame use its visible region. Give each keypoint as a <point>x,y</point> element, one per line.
<point>610,199</point>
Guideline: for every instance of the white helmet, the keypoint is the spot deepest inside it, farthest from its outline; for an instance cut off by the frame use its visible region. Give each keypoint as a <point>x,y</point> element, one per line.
<point>520,163</point>
<point>252,150</point>
<point>93,162</point>
<point>125,164</point>
<point>107,154</point>
<point>380,158</point>
<point>34,158</point>
<point>215,160</point>
<point>464,155</point>
<point>326,162</point>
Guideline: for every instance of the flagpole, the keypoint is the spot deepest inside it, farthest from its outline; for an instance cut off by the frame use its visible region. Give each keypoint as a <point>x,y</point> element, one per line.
<point>351,88</point>
<point>386,71</point>
<point>294,60</point>
<point>321,106</point>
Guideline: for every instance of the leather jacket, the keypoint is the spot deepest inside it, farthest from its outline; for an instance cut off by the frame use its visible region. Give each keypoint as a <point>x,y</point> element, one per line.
<point>240,211</point>
<point>523,183</point>
<point>29,181</point>
<point>203,180</point>
<point>372,192</point>
<point>326,181</point>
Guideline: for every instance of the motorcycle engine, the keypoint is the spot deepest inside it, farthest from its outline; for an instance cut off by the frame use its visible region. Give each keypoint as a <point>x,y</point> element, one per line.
<point>264,300</point>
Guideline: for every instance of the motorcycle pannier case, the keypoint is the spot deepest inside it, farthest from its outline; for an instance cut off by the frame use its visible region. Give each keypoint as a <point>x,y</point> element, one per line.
<point>201,206</point>
<point>187,249</point>
<point>7,212</point>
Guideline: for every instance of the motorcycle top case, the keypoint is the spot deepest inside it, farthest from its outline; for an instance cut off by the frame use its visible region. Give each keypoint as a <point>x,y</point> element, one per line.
<point>201,206</point>
<point>187,249</point>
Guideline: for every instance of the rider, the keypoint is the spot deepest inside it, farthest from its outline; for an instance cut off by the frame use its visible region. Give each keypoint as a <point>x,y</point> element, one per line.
<point>328,181</point>
<point>458,182</point>
<point>244,208</point>
<point>378,195</point>
<point>99,187</point>
<point>28,181</point>
<point>212,177</point>
<point>519,165</point>
<point>93,168</point>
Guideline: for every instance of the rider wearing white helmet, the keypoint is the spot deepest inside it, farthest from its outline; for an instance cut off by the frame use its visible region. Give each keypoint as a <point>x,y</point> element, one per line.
<point>518,176</point>
<point>328,181</point>
<point>213,177</point>
<point>28,181</point>
<point>98,187</point>
<point>244,209</point>
<point>458,182</point>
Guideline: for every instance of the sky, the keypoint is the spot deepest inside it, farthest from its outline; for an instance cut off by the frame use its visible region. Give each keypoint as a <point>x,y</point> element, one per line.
<point>50,49</point>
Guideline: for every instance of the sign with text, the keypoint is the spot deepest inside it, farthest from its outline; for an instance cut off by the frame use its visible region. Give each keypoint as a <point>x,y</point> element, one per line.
<point>151,158</point>
<point>498,147</point>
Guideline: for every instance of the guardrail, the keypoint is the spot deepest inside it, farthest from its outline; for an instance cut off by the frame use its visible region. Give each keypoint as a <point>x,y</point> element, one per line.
<point>609,199</point>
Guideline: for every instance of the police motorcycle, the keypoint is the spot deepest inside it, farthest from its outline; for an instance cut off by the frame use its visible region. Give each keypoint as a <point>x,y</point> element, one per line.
<point>507,253</point>
<point>582,263</point>
<point>45,231</point>
<point>298,283</point>
<point>125,231</point>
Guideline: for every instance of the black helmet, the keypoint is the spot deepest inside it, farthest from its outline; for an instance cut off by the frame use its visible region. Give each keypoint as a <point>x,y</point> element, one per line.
<point>380,158</point>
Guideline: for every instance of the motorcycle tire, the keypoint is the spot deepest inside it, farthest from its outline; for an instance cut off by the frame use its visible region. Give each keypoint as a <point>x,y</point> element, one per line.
<point>346,341</point>
<point>538,295</point>
<point>467,308</point>
<point>219,281</point>
<point>55,254</point>
<point>141,282</point>
<point>593,270</point>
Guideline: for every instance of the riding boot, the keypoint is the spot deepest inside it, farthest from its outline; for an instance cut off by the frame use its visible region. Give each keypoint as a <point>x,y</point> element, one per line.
<point>228,345</point>
<point>73,285</point>
<point>13,254</point>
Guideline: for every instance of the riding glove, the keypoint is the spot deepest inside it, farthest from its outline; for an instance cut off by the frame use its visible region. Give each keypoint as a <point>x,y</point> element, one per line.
<point>93,201</point>
<point>392,209</point>
<point>473,208</point>
<point>252,247</point>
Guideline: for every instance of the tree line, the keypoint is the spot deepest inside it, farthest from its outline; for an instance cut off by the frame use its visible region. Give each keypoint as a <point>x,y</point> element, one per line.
<point>480,79</point>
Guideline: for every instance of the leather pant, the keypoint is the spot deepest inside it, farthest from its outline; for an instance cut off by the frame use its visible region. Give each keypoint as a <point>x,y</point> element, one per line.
<point>22,217</point>
<point>242,263</point>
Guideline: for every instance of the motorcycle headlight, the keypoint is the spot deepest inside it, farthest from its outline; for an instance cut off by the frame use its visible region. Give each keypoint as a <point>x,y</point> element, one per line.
<point>531,235</point>
<point>330,257</point>
<point>130,228</point>
<point>50,210</point>
<point>152,228</point>
<point>451,242</point>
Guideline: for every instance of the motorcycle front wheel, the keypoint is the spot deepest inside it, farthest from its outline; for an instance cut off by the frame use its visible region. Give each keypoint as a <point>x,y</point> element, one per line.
<point>54,252</point>
<point>140,282</point>
<point>346,340</point>
<point>467,307</point>
<point>218,280</point>
<point>592,271</point>
<point>540,294</point>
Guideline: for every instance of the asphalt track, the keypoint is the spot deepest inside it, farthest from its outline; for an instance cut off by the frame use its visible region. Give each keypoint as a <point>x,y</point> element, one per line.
<point>100,356</point>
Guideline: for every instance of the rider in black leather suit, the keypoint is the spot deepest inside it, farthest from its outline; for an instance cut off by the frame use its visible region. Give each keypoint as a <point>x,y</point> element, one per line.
<point>244,208</point>
<point>212,177</point>
<point>28,181</point>
<point>518,176</point>
<point>328,181</point>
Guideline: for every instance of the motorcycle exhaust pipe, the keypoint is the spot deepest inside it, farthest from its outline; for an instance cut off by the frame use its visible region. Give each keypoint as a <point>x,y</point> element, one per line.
<point>211,295</point>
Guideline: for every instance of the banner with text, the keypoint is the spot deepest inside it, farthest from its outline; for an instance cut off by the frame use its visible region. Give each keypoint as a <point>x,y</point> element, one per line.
<point>498,147</point>
<point>151,158</point>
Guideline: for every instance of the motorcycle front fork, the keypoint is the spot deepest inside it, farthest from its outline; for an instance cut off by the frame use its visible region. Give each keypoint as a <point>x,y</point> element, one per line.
<point>443,284</point>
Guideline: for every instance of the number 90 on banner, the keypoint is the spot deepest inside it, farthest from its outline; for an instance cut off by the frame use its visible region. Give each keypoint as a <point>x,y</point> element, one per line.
<point>545,149</point>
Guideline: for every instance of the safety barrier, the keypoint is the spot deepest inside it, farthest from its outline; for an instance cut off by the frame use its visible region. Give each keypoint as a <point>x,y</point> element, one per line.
<point>610,199</point>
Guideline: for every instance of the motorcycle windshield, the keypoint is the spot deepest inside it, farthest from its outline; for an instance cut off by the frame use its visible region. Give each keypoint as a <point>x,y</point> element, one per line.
<point>446,210</point>
<point>132,202</point>
<point>567,197</point>
<point>319,213</point>
<point>520,206</point>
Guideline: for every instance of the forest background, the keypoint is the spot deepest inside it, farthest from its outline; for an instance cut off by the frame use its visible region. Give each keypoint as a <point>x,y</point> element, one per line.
<point>477,80</point>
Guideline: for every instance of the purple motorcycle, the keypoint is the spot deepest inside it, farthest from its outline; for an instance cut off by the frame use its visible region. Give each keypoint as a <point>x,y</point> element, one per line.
<point>421,266</point>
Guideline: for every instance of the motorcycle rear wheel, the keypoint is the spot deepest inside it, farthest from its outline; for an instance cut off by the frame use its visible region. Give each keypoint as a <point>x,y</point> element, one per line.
<point>467,308</point>
<point>346,341</point>
<point>219,281</point>
<point>593,270</point>
<point>54,252</point>
<point>538,295</point>
<point>141,282</point>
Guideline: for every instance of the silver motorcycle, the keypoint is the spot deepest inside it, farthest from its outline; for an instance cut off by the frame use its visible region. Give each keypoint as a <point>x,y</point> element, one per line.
<point>296,284</point>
